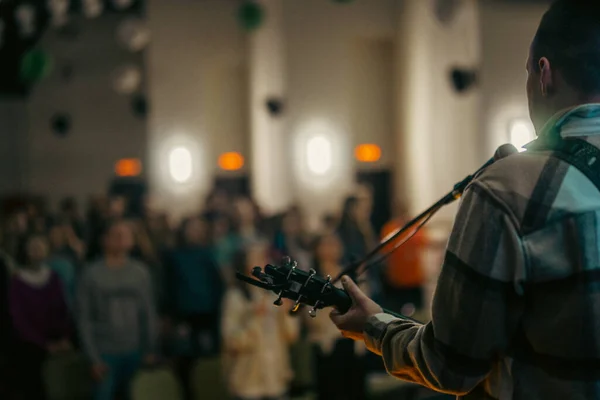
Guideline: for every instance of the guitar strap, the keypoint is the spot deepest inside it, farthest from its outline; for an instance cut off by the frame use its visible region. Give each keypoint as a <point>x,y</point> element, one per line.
<point>576,152</point>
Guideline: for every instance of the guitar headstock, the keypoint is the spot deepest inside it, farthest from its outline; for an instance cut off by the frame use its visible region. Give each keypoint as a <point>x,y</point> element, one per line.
<point>290,282</point>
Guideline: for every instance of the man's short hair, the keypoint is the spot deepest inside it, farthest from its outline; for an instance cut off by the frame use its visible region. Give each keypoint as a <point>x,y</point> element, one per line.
<point>569,36</point>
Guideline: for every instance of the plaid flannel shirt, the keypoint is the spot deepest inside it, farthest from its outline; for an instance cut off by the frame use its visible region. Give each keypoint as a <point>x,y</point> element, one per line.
<point>516,312</point>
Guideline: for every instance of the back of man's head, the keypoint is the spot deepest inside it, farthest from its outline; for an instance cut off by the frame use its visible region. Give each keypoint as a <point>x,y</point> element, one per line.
<point>569,36</point>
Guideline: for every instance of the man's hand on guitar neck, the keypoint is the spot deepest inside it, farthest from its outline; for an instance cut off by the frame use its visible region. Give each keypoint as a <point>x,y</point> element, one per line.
<point>353,323</point>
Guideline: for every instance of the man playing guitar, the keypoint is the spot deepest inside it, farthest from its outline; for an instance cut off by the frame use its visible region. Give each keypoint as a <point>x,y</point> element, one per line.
<point>516,313</point>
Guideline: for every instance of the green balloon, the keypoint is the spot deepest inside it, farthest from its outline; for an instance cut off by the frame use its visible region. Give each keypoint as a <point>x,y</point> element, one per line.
<point>251,15</point>
<point>35,65</point>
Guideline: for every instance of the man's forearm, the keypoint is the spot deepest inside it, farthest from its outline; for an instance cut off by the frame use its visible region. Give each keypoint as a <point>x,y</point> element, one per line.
<point>411,352</point>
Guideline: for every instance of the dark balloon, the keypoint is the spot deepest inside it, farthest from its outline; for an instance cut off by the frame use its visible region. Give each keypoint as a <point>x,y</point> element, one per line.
<point>251,15</point>
<point>35,65</point>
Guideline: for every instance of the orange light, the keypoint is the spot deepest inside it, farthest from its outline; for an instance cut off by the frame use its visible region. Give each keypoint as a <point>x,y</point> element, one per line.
<point>231,161</point>
<point>367,152</point>
<point>128,167</point>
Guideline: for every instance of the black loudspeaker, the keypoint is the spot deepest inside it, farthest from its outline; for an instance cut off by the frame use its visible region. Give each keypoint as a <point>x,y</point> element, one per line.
<point>463,79</point>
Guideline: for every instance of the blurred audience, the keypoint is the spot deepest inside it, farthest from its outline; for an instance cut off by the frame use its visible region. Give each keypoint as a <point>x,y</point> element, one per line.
<point>115,277</point>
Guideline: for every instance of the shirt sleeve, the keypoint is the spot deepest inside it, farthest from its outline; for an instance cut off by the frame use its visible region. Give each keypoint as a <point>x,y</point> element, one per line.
<point>476,308</point>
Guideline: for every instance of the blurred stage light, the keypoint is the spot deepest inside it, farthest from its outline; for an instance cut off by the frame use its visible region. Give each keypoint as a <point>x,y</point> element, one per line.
<point>367,152</point>
<point>231,161</point>
<point>128,167</point>
<point>318,155</point>
<point>180,164</point>
<point>521,132</point>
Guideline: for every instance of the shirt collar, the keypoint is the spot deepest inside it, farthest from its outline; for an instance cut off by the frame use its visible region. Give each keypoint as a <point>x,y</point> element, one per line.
<point>582,120</point>
<point>577,121</point>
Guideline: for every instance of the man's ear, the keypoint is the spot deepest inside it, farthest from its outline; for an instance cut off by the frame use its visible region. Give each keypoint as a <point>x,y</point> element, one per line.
<point>546,79</point>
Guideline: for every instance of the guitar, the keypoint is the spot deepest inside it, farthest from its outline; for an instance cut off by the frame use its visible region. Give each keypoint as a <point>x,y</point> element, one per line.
<point>305,288</point>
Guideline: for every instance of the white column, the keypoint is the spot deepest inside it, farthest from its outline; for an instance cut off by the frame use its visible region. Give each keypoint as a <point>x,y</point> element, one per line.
<point>270,160</point>
<point>439,128</point>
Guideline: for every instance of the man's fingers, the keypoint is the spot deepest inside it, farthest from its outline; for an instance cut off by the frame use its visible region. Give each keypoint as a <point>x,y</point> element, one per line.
<point>353,290</point>
<point>336,317</point>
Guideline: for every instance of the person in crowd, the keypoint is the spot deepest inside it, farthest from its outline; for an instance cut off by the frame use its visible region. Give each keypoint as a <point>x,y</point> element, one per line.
<point>117,316</point>
<point>217,203</point>
<point>40,318</point>
<point>117,207</point>
<point>329,223</point>
<point>62,259</point>
<point>355,229</point>
<point>37,216</point>
<point>16,229</point>
<point>358,237</point>
<point>69,214</point>
<point>65,243</point>
<point>97,214</point>
<point>341,365</point>
<point>405,273</point>
<point>194,293</point>
<point>6,326</point>
<point>292,239</point>
<point>245,229</point>
<point>159,231</point>
<point>256,335</point>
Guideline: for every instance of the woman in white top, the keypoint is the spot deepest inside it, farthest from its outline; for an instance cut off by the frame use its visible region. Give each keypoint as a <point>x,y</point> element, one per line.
<point>341,368</point>
<point>256,335</point>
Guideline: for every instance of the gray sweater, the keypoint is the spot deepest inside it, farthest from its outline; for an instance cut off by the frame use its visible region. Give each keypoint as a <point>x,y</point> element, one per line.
<point>116,310</point>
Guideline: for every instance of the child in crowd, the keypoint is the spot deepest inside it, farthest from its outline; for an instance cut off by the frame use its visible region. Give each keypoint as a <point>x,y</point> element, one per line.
<point>40,318</point>
<point>341,368</point>
<point>117,318</point>
<point>256,335</point>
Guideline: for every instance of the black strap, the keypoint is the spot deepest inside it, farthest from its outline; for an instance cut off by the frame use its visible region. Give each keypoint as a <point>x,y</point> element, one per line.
<point>576,152</point>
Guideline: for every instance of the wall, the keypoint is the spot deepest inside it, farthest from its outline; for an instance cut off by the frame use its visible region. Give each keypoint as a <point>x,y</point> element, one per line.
<point>506,32</point>
<point>198,82</point>
<point>104,129</point>
<point>13,146</point>
<point>325,41</point>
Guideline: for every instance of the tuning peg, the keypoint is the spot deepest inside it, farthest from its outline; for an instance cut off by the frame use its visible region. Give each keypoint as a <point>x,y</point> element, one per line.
<point>286,260</point>
<point>278,302</point>
<point>296,306</point>
<point>313,312</point>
